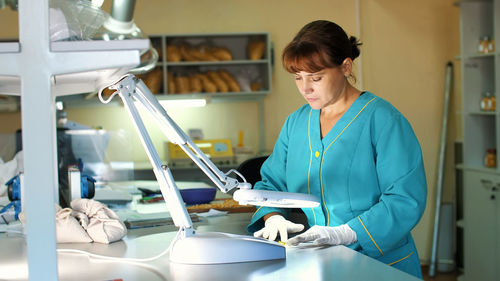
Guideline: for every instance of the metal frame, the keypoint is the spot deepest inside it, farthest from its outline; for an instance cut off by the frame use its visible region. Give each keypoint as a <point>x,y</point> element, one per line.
<point>34,65</point>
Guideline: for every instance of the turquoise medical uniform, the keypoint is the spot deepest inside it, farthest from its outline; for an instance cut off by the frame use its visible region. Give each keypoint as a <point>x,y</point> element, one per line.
<point>367,171</point>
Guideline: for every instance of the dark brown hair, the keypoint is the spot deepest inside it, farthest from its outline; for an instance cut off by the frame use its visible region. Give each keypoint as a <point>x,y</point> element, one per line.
<point>318,45</point>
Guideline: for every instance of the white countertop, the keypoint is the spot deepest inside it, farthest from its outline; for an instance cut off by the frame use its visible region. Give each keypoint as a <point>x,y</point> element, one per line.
<point>313,263</point>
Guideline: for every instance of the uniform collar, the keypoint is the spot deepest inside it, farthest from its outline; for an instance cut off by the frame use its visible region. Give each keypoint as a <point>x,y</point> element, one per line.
<point>342,123</point>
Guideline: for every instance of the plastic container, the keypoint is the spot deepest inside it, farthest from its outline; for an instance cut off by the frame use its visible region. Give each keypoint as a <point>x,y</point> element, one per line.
<point>194,196</point>
<point>493,103</point>
<point>483,46</point>
<point>490,160</point>
<point>488,102</point>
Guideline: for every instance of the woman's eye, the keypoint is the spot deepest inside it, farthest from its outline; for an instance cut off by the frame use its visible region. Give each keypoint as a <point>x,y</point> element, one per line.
<point>316,79</point>
<point>298,78</point>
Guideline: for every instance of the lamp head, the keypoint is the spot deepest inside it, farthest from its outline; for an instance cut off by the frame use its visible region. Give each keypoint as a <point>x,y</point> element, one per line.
<point>267,198</point>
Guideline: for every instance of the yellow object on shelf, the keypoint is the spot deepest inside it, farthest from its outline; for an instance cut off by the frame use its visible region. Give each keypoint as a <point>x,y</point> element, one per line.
<point>220,151</point>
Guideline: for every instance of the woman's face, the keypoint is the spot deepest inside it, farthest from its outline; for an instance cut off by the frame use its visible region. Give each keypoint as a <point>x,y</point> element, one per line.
<point>322,88</point>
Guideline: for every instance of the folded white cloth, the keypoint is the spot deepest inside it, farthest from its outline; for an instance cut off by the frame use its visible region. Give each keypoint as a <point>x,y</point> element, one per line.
<point>88,221</point>
<point>103,225</point>
<point>68,229</point>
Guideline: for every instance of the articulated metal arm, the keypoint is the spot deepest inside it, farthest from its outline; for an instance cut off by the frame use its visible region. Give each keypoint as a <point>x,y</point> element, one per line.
<point>131,89</point>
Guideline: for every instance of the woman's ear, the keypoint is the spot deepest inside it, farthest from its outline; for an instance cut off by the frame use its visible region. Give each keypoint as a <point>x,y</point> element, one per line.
<point>347,67</point>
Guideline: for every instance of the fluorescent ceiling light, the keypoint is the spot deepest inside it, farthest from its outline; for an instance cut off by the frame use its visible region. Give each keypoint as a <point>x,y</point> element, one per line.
<point>184,103</point>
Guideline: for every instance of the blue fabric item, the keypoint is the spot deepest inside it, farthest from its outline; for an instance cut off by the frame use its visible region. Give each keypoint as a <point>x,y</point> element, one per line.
<point>368,172</point>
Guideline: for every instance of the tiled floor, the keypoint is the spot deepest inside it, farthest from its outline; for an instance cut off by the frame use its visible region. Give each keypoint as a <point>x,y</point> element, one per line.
<point>439,276</point>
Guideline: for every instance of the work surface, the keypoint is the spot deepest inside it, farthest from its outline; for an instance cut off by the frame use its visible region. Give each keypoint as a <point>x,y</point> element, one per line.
<point>331,263</point>
<point>328,263</point>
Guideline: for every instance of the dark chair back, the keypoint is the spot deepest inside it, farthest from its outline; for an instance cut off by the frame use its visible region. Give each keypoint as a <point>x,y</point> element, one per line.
<point>250,169</point>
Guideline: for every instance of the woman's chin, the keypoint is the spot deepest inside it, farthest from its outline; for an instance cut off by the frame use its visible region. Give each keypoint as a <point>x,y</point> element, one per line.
<point>314,105</point>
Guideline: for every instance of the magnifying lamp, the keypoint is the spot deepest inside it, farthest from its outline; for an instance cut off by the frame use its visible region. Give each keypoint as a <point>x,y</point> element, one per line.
<point>192,247</point>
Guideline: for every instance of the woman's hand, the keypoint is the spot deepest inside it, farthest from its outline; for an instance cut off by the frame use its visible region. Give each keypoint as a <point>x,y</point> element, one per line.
<point>326,235</point>
<point>275,224</point>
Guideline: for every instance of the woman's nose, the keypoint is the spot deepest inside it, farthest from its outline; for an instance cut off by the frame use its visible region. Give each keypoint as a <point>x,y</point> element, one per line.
<point>306,87</point>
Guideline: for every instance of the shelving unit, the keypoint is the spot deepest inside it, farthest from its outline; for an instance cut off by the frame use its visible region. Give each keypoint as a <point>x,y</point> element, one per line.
<point>38,70</point>
<point>241,67</point>
<point>245,69</point>
<point>481,210</point>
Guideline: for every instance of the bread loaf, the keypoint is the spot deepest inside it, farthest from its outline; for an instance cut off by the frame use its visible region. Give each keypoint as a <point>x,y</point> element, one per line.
<point>230,81</point>
<point>173,53</point>
<point>218,81</point>
<point>181,84</point>
<point>222,53</point>
<point>256,49</point>
<point>186,54</point>
<point>202,53</point>
<point>207,85</point>
<point>170,83</point>
<point>195,84</point>
<point>255,86</point>
<point>154,80</point>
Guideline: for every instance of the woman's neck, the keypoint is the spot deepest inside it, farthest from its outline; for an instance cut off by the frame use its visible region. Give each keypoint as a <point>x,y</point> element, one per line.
<point>332,113</point>
<point>342,103</point>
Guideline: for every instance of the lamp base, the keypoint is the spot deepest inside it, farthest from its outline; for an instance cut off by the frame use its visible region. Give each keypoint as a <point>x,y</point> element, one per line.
<point>218,248</point>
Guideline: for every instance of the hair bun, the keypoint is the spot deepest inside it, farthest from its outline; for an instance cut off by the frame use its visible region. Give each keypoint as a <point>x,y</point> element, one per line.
<point>354,47</point>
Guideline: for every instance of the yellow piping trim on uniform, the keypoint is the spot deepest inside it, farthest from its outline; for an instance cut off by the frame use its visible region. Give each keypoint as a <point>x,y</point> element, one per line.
<point>400,259</point>
<point>370,235</point>
<point>256,211</point>
<point>310,160</point>
<point>324,152</point>
<point>310,150</point>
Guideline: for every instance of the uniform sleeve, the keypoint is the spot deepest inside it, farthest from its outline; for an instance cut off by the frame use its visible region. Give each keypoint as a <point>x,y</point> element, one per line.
<point>273,173</point>
<point>401,178</point>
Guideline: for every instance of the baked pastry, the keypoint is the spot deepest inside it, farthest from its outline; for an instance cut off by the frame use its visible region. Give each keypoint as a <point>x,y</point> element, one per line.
<point>230,81</point>
<point>173,53</point>
<point>186,54</point>
<point>170,83</point>
<point>202,53</point>
<point>218,81</point>
<point>195,84</point>
<point>256,49</point>
<point>255,86</point>
<point>154,80</point>
<point>181,84</point>
<point>222,53</point>
<point>207,85</point>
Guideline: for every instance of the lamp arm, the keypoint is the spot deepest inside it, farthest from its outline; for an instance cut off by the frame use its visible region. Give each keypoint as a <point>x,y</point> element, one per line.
<point>126,90</point>
<point>177,136</point>
<point>131,89</point>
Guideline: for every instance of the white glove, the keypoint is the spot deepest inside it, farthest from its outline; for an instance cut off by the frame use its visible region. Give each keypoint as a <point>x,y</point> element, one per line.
<point>326,235</point>
<point>275,224</point>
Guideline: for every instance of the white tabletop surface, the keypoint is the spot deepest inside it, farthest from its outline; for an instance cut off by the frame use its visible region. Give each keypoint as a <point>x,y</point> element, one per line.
<point>330,263</point>
<point>310,263</point>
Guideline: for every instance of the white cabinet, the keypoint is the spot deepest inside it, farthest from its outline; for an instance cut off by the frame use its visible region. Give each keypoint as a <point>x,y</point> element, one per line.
<point>482,226</point>
<point>479,25</point>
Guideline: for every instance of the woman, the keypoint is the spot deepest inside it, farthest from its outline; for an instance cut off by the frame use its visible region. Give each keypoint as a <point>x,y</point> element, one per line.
<point>352,149</point>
